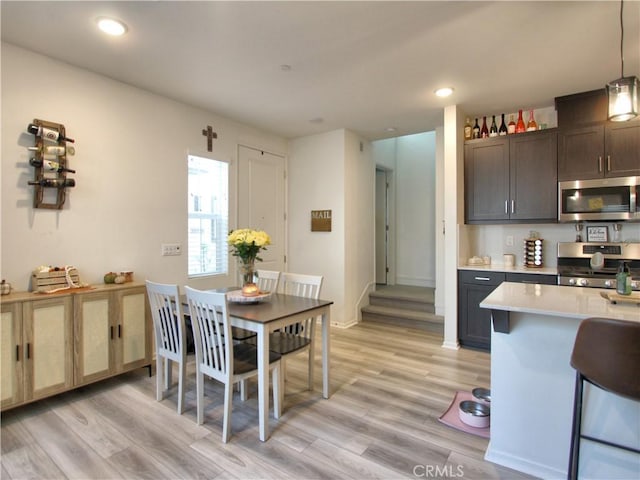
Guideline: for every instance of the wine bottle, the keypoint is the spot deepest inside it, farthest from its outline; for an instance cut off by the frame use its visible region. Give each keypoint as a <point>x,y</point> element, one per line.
<point>511,128</point>
<point>467,130</point>
<point>493,131</point>
<point>484,131</point>
<point>520,128</point>
<point>48,133</point>
<point>532,126</point>
<point>54,149</point>
<point>55,182</point>
<point>476,130</point>
<point>503,127</point>
<point>50,165</point>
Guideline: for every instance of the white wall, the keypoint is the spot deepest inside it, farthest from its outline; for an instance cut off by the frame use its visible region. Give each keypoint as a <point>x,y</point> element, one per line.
<point>328,172</point>
<point>384,158</point>
<point>453,214</point>
<point>415,209</point>
<point>412,159</point>
<point>359,225</point>
<point>440,231</point>
<point>131,148</point>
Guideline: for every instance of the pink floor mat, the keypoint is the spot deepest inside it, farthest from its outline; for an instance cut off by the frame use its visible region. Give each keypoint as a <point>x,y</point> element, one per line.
<point>452,419</point>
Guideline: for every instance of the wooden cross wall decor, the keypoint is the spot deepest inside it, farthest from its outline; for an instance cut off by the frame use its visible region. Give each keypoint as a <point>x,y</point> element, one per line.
<point>210,134</point>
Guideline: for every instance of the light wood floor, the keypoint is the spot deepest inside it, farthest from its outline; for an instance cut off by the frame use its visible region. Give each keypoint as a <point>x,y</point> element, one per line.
<point>389,386</point>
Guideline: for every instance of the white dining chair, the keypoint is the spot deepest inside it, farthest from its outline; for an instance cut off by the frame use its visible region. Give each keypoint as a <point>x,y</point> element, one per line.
<point>298,337</point>
<point>225,361</point>
<point>169,334</point>
<point>268,280</point>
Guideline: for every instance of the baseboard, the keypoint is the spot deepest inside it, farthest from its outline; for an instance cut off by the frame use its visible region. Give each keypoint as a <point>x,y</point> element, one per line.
<point>523,465</point>
<point>451,345</point>
<point>345,325</point>
<point>363,301</point>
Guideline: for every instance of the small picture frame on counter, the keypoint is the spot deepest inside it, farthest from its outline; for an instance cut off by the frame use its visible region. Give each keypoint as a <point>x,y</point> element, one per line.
<point>597,234</point>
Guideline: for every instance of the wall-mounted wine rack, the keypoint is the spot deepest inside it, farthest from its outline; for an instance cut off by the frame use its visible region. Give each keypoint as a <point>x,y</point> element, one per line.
<point>46,181</point>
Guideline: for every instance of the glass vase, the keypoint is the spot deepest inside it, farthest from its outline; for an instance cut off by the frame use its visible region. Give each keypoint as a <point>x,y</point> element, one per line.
<point>247,267</point>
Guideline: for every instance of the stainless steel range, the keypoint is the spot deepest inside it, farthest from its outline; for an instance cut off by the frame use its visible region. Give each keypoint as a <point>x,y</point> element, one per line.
<point>596,264</point>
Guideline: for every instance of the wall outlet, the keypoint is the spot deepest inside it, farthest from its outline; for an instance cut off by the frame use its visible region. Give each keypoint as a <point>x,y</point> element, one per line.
<point>509,240</point>
<point>170,249</point>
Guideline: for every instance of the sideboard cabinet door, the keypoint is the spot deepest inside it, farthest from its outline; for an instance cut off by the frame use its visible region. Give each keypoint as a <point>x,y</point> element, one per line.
<point>47,346</point>
<point>93,337</point>
<point>12,387</point>
<point>133,327</point>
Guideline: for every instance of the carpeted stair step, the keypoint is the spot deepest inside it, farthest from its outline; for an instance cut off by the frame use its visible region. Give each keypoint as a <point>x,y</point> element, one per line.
<point>405,298</point>
<point>404,317</point>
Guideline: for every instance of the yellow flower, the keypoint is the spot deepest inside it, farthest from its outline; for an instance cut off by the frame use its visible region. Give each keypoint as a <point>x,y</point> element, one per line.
<point>246,243</point>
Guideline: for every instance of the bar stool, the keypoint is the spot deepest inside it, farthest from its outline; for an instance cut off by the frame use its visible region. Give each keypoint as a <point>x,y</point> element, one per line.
<point>606,353</point>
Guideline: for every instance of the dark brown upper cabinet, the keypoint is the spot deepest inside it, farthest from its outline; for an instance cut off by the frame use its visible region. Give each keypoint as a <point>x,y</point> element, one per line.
<point>512,179</point>
<point>589,146</point>
<point>609,149</point>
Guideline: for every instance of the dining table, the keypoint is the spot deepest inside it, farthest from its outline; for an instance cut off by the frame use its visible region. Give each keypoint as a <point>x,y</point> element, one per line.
<point>268,315</point>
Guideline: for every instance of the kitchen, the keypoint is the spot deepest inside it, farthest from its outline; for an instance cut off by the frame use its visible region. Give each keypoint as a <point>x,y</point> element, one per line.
<point>118,178</point>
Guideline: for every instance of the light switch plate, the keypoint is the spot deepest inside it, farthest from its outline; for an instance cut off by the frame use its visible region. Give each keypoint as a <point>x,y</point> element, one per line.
<point>171,249</point>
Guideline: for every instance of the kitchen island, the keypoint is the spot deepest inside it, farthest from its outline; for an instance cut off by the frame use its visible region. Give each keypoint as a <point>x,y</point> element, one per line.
<point>532,384</point>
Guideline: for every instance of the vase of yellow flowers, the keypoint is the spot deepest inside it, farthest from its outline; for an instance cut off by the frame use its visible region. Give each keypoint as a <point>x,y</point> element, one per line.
<point>246,244</point>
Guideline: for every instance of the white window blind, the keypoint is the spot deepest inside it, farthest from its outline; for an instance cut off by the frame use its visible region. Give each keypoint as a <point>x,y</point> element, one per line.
<point>208,213</point>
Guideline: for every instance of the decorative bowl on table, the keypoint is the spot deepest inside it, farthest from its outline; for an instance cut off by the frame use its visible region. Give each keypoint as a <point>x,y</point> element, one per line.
<point>237,296</point>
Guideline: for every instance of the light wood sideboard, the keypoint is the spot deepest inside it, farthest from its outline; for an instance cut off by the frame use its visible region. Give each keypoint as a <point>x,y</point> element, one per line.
<point>51,343</point>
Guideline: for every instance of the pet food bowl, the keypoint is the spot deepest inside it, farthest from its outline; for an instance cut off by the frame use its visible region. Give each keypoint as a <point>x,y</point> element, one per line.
<point>482,395</point>
<point>474,414</point>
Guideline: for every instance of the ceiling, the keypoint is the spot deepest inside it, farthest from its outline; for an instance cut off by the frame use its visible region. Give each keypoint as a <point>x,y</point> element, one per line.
<point>364,66</point>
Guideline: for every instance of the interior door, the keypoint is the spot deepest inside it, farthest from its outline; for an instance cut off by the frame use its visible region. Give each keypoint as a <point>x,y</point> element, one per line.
<point>381,228</point>
<point>261,201</point>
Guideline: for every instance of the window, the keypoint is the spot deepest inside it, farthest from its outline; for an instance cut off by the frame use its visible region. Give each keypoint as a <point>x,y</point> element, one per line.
<point>208,213</point>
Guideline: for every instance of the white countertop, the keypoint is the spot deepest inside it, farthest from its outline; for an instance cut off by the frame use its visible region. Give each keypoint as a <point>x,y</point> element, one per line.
<point>516,269</point>
<point>570,302</point>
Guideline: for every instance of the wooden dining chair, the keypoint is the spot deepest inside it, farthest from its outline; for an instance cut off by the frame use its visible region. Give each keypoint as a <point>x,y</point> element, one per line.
<point>268,280</point>
<point>169,334</point>
<point>298,337</point>
<point>225,361</point>
<point>606,353</point>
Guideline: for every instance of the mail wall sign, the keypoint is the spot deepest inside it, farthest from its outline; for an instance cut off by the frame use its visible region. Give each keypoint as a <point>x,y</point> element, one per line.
<point>320,220</point>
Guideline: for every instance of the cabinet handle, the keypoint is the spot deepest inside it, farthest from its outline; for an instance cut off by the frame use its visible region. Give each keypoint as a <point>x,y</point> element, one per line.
<point>608,163</point>
<point>119,331</point>
<point>483,279</point>
<point>28,356</point>
<point>599,164</point>
<point>506,207</point>
<point>17,353</point>
<point>111,330</point>
<point>513,206</point>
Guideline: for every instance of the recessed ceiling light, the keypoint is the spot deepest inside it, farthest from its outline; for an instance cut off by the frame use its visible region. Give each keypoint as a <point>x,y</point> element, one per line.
<point>111,26</point>
<point>444,92</point>
<point>285,68</point>
<point>316,120</point>
<point>390,129</point>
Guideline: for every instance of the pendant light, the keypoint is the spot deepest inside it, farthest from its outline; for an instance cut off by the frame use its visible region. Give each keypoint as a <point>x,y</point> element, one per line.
<point>623,92</point>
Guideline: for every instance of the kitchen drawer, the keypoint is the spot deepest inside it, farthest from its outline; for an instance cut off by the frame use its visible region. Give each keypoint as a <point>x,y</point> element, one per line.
<point>542,279</point>
<point>481,277</point>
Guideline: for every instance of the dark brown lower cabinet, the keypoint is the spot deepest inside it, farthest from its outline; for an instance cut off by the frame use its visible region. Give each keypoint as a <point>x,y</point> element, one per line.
<point>474,323</point>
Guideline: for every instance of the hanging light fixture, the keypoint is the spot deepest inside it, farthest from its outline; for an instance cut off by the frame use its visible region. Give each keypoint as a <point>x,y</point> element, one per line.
<point>623,92</point>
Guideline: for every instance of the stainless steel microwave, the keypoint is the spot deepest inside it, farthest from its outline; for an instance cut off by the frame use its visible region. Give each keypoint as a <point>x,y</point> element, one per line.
<point>603,199</point>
